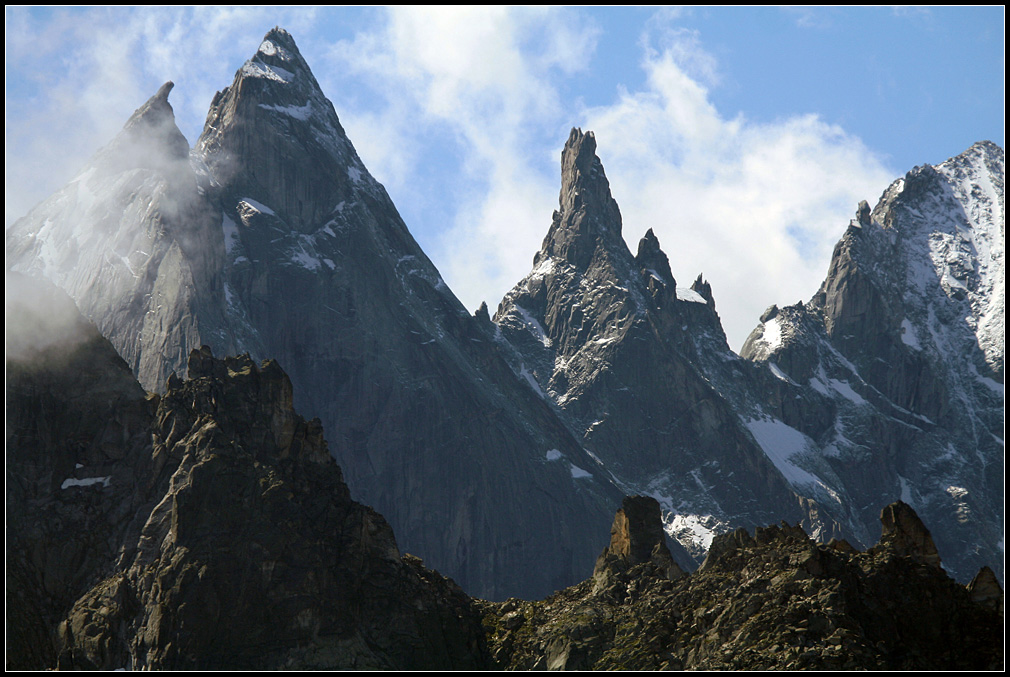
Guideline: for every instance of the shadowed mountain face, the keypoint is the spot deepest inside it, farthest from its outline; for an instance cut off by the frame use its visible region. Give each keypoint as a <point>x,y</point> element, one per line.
<point>272,238</point>
<point>208,527</point>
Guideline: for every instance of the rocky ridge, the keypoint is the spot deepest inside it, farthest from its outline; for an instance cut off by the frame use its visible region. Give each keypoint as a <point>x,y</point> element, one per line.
<point>772,601</point>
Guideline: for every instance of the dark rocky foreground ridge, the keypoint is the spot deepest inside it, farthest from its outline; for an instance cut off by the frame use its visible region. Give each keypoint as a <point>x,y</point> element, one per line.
<point>209,527</point>
<point>772,601</point>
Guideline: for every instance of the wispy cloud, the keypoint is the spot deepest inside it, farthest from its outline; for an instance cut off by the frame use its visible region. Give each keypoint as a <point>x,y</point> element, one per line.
<point>756,207</point>
<point>460,112</point>
<point>483,81</point>
<point>109,62</point>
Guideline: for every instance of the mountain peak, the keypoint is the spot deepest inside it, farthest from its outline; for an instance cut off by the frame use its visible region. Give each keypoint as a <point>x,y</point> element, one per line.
<point>276,109</point>
<point>278,61</point>
<point>583,181</point>
<point>278,37</point>
<point>150,138</point>
<point>589,214</point>
<point>653,260</point>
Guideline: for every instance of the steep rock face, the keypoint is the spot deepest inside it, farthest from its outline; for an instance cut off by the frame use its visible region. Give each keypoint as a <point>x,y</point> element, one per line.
<point>305,259</point>
<point>132,240</point>
<point>77,447</point>
<point>774,600</point>
<point>407,382</point>
<point>637,536</point>
<point>901,355</point>
<point>622,351</point>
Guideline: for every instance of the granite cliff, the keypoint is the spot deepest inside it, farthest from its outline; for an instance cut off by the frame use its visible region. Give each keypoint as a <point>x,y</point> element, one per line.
<point>270,237</point>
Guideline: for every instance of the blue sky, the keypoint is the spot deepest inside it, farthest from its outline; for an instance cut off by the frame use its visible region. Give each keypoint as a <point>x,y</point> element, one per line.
<point>744,137</point>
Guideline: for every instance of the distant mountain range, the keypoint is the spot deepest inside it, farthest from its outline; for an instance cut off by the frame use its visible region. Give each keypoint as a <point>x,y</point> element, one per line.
<point>498,448</point>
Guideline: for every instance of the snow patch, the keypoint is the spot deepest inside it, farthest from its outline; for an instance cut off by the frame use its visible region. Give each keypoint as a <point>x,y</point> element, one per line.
<point>846,391</point>
<point>553,454</point>
<point>779,374</point>
<point>772,334</point>
<point>231,238</point>
<point>533,326</point>
<point>906,491</point>
<point>256,206</point>
<point>545,267</point>
<point>781,443</point>
<point>578,473</point>
<point>354,174</point>
<point>688,294</point>
<point>86,482</point>
<point>818,385</point>
<point>297,112</point>
<point>956,492</point>
<point>908,335</point>
<point>257,69</point>
<point>695,528</point>
<point>525,373</point>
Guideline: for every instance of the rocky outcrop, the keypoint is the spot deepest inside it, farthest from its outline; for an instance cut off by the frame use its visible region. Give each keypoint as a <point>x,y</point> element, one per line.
<point>774,600</point>
<point>636,537</point>
<point>985,590</point>
<point>905,535</point>
<point>206,528</point>
<point>254,554</point>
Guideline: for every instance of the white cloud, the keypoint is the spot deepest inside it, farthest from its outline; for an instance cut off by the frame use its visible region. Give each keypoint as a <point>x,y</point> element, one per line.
<point>484,82</point>
<point>461,113</point>
<point>756,207</point>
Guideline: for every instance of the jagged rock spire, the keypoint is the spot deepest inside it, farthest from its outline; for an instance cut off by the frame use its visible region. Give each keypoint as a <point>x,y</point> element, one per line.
<point>589,214</point>
<point>652,258</point>
<point>636,537</point>
<point>150,138</point>
<point>904,534</point>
